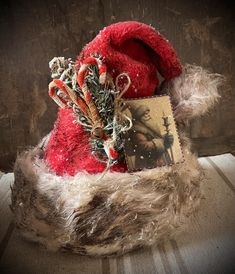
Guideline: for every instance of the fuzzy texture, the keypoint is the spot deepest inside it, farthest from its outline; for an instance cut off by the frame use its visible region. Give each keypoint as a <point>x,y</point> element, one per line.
<point>140,51</point>
<point>93,216</point>
<point>67,150</point>
<point>194,92</point>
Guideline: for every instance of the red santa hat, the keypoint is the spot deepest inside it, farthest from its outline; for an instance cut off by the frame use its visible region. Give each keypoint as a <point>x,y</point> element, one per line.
<point>127,47</point>
<point>83,213</point>
<point>139,50</point>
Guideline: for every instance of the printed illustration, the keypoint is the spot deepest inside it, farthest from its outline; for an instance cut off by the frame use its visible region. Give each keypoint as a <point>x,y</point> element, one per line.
<point>152,140</point>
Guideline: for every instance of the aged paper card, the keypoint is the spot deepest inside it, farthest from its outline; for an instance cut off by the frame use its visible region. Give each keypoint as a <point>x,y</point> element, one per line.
<point>153,139</point>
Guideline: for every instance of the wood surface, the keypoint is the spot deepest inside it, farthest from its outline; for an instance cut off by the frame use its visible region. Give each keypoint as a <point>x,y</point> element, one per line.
<point>206,246</point>
<point>33,32</point>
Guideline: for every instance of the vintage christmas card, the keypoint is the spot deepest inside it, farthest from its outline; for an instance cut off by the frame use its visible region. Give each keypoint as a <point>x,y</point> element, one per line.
<point>153,140</point>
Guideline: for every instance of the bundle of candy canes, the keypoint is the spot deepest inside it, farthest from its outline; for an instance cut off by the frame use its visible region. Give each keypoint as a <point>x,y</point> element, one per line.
<point>96,102</point>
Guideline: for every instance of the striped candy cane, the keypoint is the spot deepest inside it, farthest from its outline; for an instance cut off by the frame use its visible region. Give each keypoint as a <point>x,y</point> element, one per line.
<point>95,116</point>
<point>111,153</point>
<point>53,87</point>
<point>70,94</point>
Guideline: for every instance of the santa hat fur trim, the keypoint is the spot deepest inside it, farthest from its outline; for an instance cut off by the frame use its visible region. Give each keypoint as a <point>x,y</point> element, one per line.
<point>112,215</point>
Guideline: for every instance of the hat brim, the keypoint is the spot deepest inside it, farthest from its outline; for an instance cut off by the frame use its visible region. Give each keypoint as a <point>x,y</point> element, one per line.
<point>90,215</point>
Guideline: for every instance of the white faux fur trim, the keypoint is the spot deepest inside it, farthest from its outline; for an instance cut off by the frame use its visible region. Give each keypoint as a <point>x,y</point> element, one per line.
<point>112,215</point>
<point>194,92</point>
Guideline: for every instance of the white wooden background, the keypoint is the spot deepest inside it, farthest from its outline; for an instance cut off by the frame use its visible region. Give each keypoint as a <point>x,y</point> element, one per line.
<point>207,246</point>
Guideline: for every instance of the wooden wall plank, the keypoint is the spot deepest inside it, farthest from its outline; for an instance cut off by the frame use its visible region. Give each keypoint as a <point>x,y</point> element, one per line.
<point>207,246</point>
<point>25,257</point>
<point>159,264</point>
<point>226,163</point>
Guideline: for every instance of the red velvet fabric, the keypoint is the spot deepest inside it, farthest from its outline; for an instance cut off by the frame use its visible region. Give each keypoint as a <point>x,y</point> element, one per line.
<point>130,47</point>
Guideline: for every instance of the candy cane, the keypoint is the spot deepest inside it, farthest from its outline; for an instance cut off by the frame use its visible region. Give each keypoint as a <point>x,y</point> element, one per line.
<point>95,116</point>
<point>95,62</point>
<point>70,93</point>
<point>53,94</point>
<point>111,153</point>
